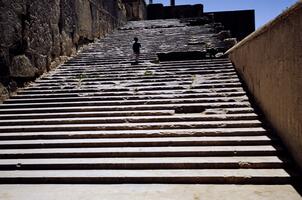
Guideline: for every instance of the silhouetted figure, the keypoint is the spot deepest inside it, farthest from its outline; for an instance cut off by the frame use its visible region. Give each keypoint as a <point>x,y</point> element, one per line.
<point>136,49</point>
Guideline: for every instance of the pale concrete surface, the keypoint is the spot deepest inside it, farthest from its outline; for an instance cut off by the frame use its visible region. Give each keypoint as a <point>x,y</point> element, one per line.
<point>270,62</point>
<point>148,192</point>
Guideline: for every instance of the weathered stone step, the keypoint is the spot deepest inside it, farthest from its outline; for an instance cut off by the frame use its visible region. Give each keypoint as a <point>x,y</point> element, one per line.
<point>155,80</point>
<point>59,82</point>
<point>107,152</point>
<point>156,72</point>
<point>130,87</point>
<point>250,131</point>
<point>127,84</point>
<point>231,86</point>
<point>128,71</point>
<point>130,77</point>
<point>218,91</point>
<point>256,162</point>
<point>142,74</point>
<point>86,114</point>
<point>139,142</point>
<point>146,61</point>
<point>147,87</point>
<point>157,69</point>
<point>138,119</point>
<point>133,126</point>
<point>124,102</point>
<point>144,58</point>
<point>116,113</point>
<point>143,65</point>
<point>199,107</point>
<point>126,97</point>
<point>88,57</point>
<point>134,83</point>
<point>201,176</point>
<point>150,191</point>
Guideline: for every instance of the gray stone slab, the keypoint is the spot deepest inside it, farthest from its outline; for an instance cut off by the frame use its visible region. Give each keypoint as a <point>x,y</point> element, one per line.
<point>148,192</point>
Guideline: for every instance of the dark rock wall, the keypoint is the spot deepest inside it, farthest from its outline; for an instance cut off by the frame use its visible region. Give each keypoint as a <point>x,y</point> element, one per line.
<point>37,35</point>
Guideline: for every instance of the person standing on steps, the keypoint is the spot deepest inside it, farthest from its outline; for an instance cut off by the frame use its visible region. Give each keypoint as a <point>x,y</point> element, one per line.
<point>136,49</point>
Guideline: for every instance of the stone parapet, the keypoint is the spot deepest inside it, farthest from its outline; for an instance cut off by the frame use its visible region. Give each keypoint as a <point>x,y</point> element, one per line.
<point>269,61</point>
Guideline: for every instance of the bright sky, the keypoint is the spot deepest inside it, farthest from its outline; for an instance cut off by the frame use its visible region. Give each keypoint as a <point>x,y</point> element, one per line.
<point>266,10</point>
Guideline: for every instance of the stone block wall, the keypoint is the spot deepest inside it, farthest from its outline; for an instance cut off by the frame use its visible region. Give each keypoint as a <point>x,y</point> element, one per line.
<point>136,9</point>
<point>241,23</point>
<point>158,11</point>
<point>36,35</point>
<point>270,63</point>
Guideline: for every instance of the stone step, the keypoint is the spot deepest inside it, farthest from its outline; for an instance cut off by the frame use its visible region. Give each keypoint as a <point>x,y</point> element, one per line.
<point>64,81</point>
<point>255,162</point>
<point>201,132</point>
<point>118,70</point>
<point>150,191</point>
<point>101,70</point>
<point>142,80</point>
<point>143,74</point>
<point>129,84</point>
<point>144,65</point>
<point>197,176</point>
<point>139,142</point>
<point>90,58</point>
<point>193,107</point>
<point>135,90</point>
<point>174,151</point>
<point>156,73</point>
<point>213,91</point>
<point>133,126</point>
<point>86,114</point>
<point>125,87</point>
<point>125,102</point>
<point>125,97</point>
<point>138,74</point>
<point>141,77</point>
<point>117,88</point>
<point>131,119</point>
<point>132,84</point>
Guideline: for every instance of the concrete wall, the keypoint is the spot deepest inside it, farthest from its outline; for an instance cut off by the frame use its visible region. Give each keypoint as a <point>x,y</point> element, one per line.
<point>270,62</point>
<point>36,35</point>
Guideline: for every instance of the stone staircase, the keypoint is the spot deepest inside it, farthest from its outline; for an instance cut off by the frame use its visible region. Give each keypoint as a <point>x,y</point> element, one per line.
<point>99,119</point>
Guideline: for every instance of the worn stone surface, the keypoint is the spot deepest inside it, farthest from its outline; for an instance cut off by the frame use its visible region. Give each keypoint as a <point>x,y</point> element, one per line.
<point>149,192</point>
<point>270,63</point>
